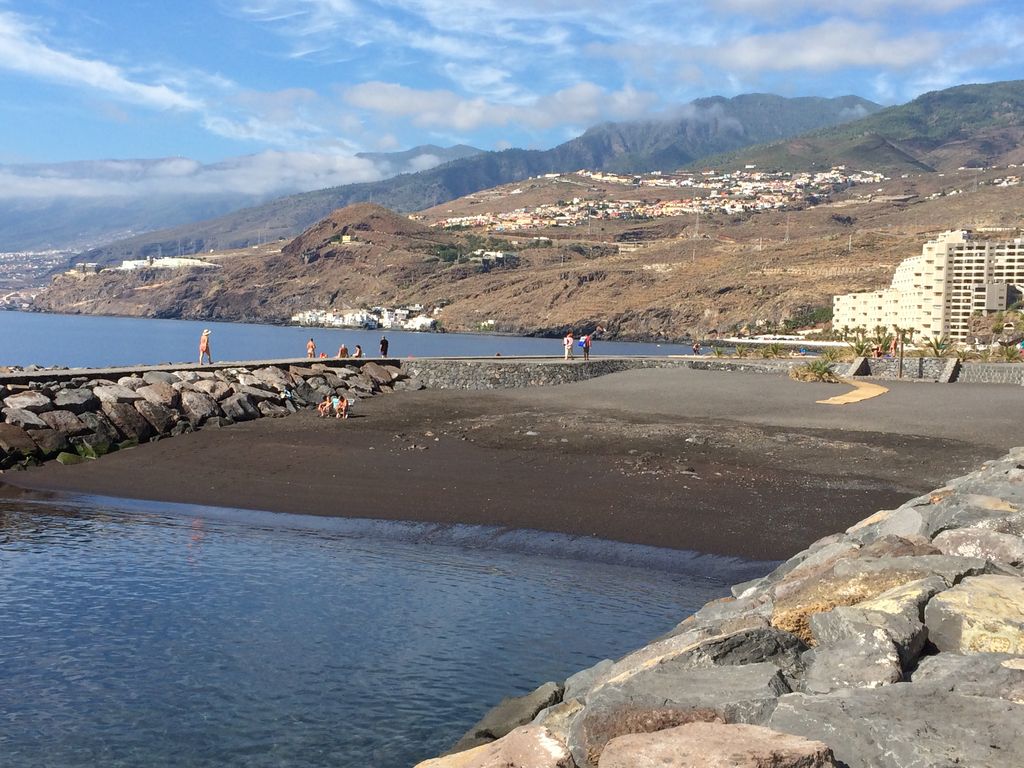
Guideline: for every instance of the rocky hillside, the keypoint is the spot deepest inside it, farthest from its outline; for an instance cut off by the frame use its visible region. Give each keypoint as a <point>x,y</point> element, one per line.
<point>664,278</point>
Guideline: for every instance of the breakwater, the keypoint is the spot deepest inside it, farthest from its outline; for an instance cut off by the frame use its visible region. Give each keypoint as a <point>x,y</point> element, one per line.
<point>898,643</point>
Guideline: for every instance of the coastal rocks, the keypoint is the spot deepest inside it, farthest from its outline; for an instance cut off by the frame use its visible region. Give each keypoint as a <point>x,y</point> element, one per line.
<point>716,745</point>
<point>511,713</point>
<point>91,417</point>
<point>981,614</point>
<point>531,746</point>
<point>907,726</point>
<point>980,542</point>
<point>996,675</point>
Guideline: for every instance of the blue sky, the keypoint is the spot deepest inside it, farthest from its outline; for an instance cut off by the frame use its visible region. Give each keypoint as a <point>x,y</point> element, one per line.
<point>300,86</point>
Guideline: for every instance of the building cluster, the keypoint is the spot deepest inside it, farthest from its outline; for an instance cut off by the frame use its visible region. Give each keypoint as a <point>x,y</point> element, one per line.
<point>730,193</point>
<point>936,293</point>
<point>410,318</point>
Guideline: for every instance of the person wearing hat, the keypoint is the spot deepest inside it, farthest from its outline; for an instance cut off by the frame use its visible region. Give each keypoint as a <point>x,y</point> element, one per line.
<point>204,347</point>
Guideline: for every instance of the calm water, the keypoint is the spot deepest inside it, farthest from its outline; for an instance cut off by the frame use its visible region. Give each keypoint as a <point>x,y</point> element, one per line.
<point>184,636</point>
<point>90,341</point>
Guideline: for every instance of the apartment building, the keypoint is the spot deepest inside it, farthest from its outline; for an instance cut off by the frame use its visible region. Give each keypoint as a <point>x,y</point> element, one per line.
<point>936,292</point>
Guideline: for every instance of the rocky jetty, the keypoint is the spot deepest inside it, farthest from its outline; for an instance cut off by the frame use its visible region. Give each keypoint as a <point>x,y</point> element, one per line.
<point>898,643</point>
<point>78,418</point>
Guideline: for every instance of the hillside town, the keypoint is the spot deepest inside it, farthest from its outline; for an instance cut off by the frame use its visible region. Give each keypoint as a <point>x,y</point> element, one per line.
<point>730,193</point>
<point>410,318</point>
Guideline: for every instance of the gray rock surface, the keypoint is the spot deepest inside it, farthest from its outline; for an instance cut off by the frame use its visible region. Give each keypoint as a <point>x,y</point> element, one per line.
<point>160,393</point>
<point>129,422</point>
<point>511,713</point>
<point>996,675</point>
<point>981,614</point>
<point>982,543</point>
<point>198,407</point>
<point>64,421</point>
<point>22,418</point>
<point>77,401</point>
<point>240,407</point>
<point>36,402</point>
<point>116,393</point>
<point>15,440</point>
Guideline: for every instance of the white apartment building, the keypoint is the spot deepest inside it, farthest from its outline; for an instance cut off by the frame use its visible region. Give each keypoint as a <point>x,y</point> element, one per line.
<point>936,292</point>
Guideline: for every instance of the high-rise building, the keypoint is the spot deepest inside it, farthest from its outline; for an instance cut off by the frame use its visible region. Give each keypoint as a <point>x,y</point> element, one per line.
<point>936,292</point>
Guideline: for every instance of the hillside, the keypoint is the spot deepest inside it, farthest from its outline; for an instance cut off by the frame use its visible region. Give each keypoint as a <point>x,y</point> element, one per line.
<point>965,126</point>
<point>701,128</point>
<point>651,278</point>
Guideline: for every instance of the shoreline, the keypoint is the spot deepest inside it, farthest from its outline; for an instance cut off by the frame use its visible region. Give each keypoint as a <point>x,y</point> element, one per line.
<point>622,458</point>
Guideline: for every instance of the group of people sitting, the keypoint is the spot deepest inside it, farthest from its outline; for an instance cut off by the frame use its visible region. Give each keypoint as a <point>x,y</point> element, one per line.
<point>335,404</point>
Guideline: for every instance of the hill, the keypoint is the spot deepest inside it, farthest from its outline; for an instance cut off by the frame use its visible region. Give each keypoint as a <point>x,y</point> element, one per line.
<point>641,277</point>
<point>701,128</point>
<point>965,126</point>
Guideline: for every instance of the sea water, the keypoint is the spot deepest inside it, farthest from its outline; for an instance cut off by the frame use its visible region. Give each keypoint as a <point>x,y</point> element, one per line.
<point>136,634</point>
<point>94,341</point>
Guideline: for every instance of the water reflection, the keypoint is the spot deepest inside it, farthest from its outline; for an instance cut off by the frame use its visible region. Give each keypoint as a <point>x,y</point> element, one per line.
<point>142,636</point>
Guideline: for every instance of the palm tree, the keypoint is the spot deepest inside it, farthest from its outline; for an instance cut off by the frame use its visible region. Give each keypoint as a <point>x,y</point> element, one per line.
<point>937,346</point>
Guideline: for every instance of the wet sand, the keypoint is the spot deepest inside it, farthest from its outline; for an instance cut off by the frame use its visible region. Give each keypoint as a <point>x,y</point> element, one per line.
<point>724,463</point>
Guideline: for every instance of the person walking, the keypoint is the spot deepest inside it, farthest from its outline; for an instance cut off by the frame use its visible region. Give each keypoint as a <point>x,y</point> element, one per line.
<point>311,348</point>
<point>567,343</point>
<point>204,347</point>
<point>586,345</point>
<point>383,346</point>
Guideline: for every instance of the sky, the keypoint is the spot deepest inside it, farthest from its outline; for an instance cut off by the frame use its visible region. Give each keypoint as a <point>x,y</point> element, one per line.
<point>258,95</point>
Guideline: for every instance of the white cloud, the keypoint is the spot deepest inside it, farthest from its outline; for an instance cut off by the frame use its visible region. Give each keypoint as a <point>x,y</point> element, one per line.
<point>21,50</point>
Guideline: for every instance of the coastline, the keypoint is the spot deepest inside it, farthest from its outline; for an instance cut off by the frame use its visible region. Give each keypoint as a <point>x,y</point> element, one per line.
<point>722,463</point>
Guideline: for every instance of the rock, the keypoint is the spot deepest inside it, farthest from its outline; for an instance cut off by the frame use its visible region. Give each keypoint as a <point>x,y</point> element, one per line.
<point>381,375</point>
<point>981,614</point>
<point>69,458</point>
<point>161,393</point>
<point>257,394</point>
<point>864,660</point>
<point>159,377</point>
<point>34,402</point>
<point>78,401</point>
<point>198,407</point>
<point>49,442</point>
<point>669,694</point>
<point>511,713</point>
<point>982,543</point>
<point>186,377</point>
<point>116,393</point>
<point>162,419</point>
<point>268,408</point>
<point>15,440</point>
<point>92,445</point>
<point>132,382</point>
<point>22,418</point>
<point>272,378</point>
<point>899,612</point>
<point>997,675</point>
<point>716,745</point>
<point>576,686</point>
<point>215,388</point>
<point>129,421</point>
<point>100,426</point>
<point>64,421</point>
<point>557,717</point>
<point>907,726</point>
<point>240,408</point>
<point>907,520</point>
<point>531,746</point>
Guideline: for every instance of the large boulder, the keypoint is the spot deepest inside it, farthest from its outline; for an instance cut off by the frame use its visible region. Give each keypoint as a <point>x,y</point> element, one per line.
<point>132,382</point>
<point>77,401</point>
<point>159,377</point>
<point>161,418</point>
<point>381,375</point>
<point>531,746</point>
<point>981,614</point>
<point>996,675</point>
<point>509,714</point>
<point>15,440</point>
<point>49,442</point>
<point>160,393</point>
<point>983,543</point>
<point>716,745</point>
<point>669,694</point>
<point>100,426</point>
<point>198,407</point>
<point>128,420</point>
<point>907,726</point>
<point>22,418</point>
<point>864,660</point>
<point>33,401</point>
<point>270,378</point>
<point>240,407</point>
<point>257,394</point>
<point>65,422</point>
<point>116,393</point>
<point>215,388</point>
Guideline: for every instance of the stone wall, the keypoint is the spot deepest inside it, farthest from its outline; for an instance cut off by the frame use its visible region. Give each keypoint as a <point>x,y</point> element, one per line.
<point>991,373</point>
<point>898,643</point>
<point>942,369</point>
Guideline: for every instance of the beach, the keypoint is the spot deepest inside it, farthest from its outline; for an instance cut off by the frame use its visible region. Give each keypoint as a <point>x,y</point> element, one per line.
<point>720,462</point>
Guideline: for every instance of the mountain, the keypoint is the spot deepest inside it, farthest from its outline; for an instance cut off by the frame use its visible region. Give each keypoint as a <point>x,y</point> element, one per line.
<point>966,126</point>
<point>699,129</point>
<point>78,205</point>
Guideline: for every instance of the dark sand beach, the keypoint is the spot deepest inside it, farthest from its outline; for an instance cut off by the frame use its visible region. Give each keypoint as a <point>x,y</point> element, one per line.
<point>726,463</point>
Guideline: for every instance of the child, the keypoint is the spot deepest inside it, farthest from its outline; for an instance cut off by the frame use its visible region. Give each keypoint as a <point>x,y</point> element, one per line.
<point>341,408</point>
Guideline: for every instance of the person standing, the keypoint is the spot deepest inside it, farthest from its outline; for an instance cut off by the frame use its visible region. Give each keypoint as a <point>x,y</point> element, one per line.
<point>567,343</point>
<point>204,347</point>
<point>383,346</point>
<point>311,348</point>
<point>586,346</point>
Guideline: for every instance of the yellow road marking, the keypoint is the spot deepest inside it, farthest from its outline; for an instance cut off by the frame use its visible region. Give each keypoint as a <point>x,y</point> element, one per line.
<point>862,390</point>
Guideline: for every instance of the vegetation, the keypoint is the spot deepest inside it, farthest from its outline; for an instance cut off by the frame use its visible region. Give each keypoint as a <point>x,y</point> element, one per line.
<point>808,317</point>
<point>815,370</point>
<point>936,346</point>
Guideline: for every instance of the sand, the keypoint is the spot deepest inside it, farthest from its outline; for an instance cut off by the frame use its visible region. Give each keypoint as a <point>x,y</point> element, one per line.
<point>725,463</point>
